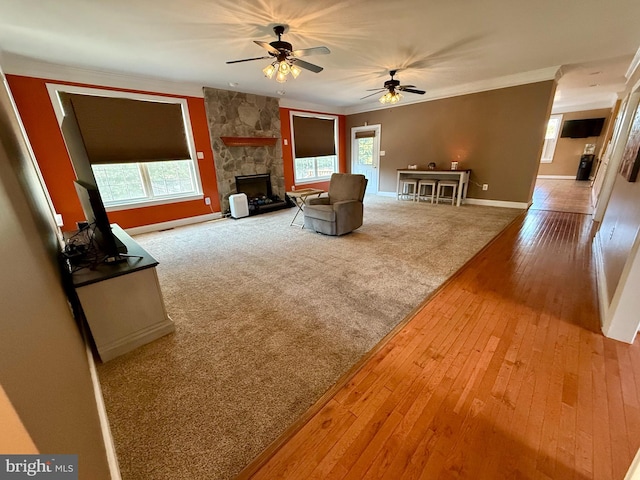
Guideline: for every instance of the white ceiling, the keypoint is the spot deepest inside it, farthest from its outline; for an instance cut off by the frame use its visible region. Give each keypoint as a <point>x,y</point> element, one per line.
<point>441,46</point>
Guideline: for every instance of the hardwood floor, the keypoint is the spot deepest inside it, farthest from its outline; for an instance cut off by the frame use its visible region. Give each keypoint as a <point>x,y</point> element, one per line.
<point>502,374</point>
<point>562,195</point>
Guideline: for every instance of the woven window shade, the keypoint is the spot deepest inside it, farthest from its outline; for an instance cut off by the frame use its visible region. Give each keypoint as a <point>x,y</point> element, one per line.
<point>366,134</point>
<point>122,130</point>
<point>313,137</point>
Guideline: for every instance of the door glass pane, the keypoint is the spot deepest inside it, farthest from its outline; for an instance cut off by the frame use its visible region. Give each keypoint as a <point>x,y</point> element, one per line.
<point>365,151</point>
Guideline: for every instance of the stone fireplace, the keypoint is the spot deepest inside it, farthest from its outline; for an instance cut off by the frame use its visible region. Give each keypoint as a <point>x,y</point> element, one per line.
<point>250,127</point>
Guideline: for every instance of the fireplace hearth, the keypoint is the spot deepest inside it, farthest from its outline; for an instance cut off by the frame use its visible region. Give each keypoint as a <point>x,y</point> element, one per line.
<point>259,193</point>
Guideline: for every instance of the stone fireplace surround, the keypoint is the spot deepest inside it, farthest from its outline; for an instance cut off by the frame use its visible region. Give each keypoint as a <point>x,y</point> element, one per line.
<point>244,115</point>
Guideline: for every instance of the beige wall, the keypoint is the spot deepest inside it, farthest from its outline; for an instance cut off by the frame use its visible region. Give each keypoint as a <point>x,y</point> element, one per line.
<point>43,366</point>
<point>498,134</point>
<point>568,150</point>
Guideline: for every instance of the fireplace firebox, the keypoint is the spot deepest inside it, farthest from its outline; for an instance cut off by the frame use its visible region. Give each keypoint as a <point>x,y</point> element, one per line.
<point>259,193</point>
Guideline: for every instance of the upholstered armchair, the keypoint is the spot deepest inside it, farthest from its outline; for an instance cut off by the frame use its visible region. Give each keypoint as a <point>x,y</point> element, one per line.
<point>340,212</point>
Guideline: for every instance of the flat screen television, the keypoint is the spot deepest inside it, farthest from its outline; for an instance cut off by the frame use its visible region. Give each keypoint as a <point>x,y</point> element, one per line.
<point>586,127</point>
<point>97,218</point>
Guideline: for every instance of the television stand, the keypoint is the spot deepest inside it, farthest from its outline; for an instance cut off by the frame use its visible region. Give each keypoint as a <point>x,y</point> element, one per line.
<point>121,257</point>
<point>121,301</point>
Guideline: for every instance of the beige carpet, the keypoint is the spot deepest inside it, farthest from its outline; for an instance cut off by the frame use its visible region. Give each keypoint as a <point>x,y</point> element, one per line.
<point>268,317</point>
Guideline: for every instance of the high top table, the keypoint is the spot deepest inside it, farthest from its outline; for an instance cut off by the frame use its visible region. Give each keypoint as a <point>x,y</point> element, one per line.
<point>461,175</point>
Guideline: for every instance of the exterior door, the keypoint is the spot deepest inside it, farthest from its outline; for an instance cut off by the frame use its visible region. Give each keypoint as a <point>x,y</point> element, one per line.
<point>365,154</point>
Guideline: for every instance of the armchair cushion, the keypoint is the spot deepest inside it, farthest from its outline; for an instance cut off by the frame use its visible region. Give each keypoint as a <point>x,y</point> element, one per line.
<point>342,211</point>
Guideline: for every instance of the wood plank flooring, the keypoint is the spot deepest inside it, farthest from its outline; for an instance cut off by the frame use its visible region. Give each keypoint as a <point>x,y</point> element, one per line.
<point>502,374</point>
<point>562,195</point>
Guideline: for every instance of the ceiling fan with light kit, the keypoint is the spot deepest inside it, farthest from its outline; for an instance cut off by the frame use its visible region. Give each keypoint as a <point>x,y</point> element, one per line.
<point>393,90</point>
<point>286,60</point>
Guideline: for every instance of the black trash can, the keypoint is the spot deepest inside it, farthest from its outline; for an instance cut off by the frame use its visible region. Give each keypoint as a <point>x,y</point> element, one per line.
<point>584,169</point>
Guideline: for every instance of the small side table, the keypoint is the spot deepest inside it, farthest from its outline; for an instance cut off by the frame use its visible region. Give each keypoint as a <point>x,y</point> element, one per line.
<point>299,197</point>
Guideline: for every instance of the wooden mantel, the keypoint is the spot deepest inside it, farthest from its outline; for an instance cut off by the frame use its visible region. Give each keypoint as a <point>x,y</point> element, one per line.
<point>249,141</point>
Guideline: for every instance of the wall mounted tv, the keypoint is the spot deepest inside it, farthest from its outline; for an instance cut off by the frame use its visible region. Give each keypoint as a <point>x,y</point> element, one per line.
<point>586,127</point>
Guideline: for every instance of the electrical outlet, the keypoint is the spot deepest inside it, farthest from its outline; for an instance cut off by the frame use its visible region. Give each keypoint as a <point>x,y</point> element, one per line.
<point>485,186</point>
<point>207,201</point>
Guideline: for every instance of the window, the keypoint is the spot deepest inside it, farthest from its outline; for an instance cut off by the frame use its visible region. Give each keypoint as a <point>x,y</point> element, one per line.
<point>314,140</point>
<point>127,183</point>
<point>311,169</point>
<point>551,138</point>
<point>151,163</point>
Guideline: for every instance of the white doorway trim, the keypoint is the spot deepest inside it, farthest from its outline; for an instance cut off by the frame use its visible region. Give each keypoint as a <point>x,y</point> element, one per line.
<point>373,174</point>
<point>619,142</point>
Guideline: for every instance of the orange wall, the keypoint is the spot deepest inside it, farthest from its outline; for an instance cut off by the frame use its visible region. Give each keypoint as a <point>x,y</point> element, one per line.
<point>34,105</point>
<point>36,111</point>
<point>287,153</point>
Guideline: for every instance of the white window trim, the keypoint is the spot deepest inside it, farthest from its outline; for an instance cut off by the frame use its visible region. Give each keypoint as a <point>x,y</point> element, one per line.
<point>149,203</point>
<point>54,89</point>
<point>336,138</point>
<point>555,140</point>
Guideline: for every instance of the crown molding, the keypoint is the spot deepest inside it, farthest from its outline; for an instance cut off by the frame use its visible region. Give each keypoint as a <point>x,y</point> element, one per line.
<point>468,88</point>
<point>633,66</point>
<point>580,107</point>
<point>313,107</point>
<point>19,65</point>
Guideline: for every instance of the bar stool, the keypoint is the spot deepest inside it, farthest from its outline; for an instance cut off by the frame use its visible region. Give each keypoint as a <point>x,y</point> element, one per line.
<point>422,185</point>
<point>405,191</point>
<point>442,184</point>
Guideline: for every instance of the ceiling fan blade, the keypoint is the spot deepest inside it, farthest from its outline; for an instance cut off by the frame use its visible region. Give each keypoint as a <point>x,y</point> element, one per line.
<point>249,59</point>
<point>375,89</point>
<point>311,51</point>
<point>412,90</point>
<point>406,86</point>
<point>307,66</point>
<point>374,93</point>
<point>267,47</point>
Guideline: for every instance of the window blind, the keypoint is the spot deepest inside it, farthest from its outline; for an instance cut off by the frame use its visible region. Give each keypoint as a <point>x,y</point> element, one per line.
<point>313,137</point>
<point>123,130</point>
<point>366,134</point>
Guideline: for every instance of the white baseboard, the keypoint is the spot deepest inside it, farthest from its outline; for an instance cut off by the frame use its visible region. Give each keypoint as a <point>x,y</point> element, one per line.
<point>476,201</point>
<point>558,177</point>
<point>496,203</point>
<point>107,438</point>
<point>601,279</point>
<point>386,194</point>
<point>142,337</point>
<point>181,222</point>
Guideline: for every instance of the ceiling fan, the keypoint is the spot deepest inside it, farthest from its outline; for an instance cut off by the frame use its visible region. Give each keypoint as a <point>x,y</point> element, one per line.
<point>285,59</point>
<point>393,89</point>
